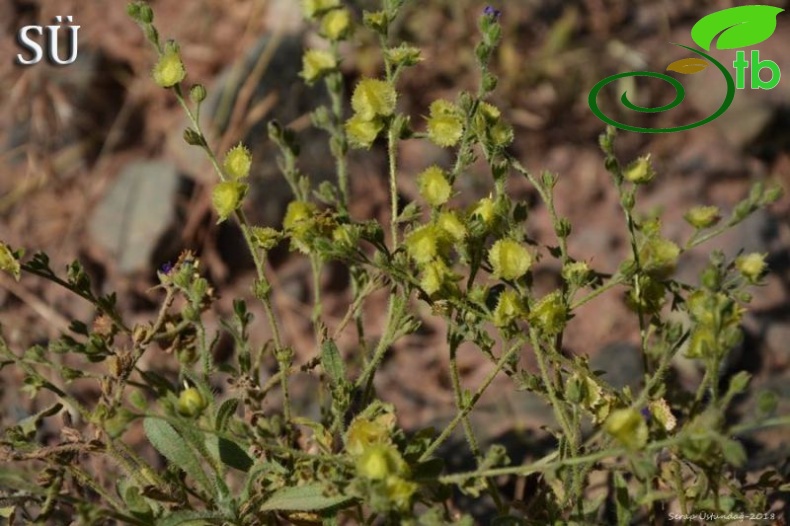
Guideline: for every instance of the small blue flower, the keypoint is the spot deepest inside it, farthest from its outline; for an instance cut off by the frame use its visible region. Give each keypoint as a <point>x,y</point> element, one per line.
<point>166,268</point>
<point>646,413</point>
<point>492,12</point>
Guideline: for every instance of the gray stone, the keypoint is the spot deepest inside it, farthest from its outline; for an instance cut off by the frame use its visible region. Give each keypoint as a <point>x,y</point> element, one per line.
<point>134,214</point>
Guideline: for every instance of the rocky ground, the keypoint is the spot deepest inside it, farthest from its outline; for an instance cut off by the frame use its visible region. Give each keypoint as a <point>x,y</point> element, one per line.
<point>94,168</point>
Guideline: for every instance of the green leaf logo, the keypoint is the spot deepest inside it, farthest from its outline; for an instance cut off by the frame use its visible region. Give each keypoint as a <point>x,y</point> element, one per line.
<point>739,27</point>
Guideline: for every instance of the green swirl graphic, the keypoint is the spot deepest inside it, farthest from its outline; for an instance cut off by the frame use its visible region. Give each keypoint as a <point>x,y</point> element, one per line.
<point>680,94</point>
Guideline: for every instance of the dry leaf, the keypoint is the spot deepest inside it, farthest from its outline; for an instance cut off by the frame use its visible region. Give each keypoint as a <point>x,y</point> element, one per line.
<point>688,66</point>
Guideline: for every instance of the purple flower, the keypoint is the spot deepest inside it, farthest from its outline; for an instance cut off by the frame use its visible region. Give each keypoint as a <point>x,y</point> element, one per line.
<point>492,12</point>
<point>166,268</point>
<point>646,413</point>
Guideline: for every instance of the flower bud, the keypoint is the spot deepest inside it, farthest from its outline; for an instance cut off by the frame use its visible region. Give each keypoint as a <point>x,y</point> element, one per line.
<point>193,138</point>
<point>509,259</point>
<point>445,124</point>
<point>198,93</point>
<point>227,197</point>
<point>191,402</point>
<point>509,308</point>
<point>434,276</point>
<point>550,314</point>
<point>576,273</point>
<point>425,243</point>
<point>9,262</point>
<point>374,97</point>
<point>751,266</point>
<point>703,216</point>
<point>169,70</point>
<point>316,64</point>
<point>362,132</point>
<point>640,171</point>
<point>336,24</point>
<point>772,195</point>
<point>449,222</point>
<point>237,162</point>
<point>377,21</point>
<point>434,187</point>
<point>403,55</point>
<point>146,14</point>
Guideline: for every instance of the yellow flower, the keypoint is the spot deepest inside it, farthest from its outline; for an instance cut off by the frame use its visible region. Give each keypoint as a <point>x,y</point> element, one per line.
<point>659,256</point>
<point>362,132</point>
<point>313,8</point>
<point>376,20</point>
<point>363,433</point>
<point>425,243</point>
<point>751,266</point>
<point>486,210</point>
<point>8,262</point>
<point>400,491</point>
<point>508,309</point>
<point>169,70</point>
<point>640,171</point>
<point>434,187</point>
<point>373,98</point>
<point>550,314</point>
<point>445,125</point>
<point>403,55</point>
<point>576,272</point>
<point>316,63</point>
<point>703,216</point>
<point>336,24</point>
<point>436,275</point>
<point>449,222</point>
<point>227,197</point>
<point>238,162</point>
<point>379,461</point>
<point>628,427</point>
<point>509,259</point>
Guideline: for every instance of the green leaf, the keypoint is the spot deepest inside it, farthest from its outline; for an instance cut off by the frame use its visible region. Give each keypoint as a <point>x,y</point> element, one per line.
<point>739,27</point>
<point>174,448</point>
<point>767,402</point>
<point>28,425</point>
<point>193,518</point>
<point>622,500</point>
<point>734,452</point>
<point>230,453</point>
<point>309,497</point>
<point>333,362</point>
<point>224,412</point>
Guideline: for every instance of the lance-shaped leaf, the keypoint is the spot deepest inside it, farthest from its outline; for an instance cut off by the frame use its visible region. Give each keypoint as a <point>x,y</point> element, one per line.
<point>688,66</point>
<point>174,448</point>
<point>739,26</point>
<point>309,497</point>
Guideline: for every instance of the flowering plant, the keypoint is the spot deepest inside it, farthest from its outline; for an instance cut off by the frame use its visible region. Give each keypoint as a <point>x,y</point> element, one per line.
<point>236,461</point>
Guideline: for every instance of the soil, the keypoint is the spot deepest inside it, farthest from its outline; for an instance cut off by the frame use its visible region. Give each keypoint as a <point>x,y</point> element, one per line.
<point>69,131</point>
